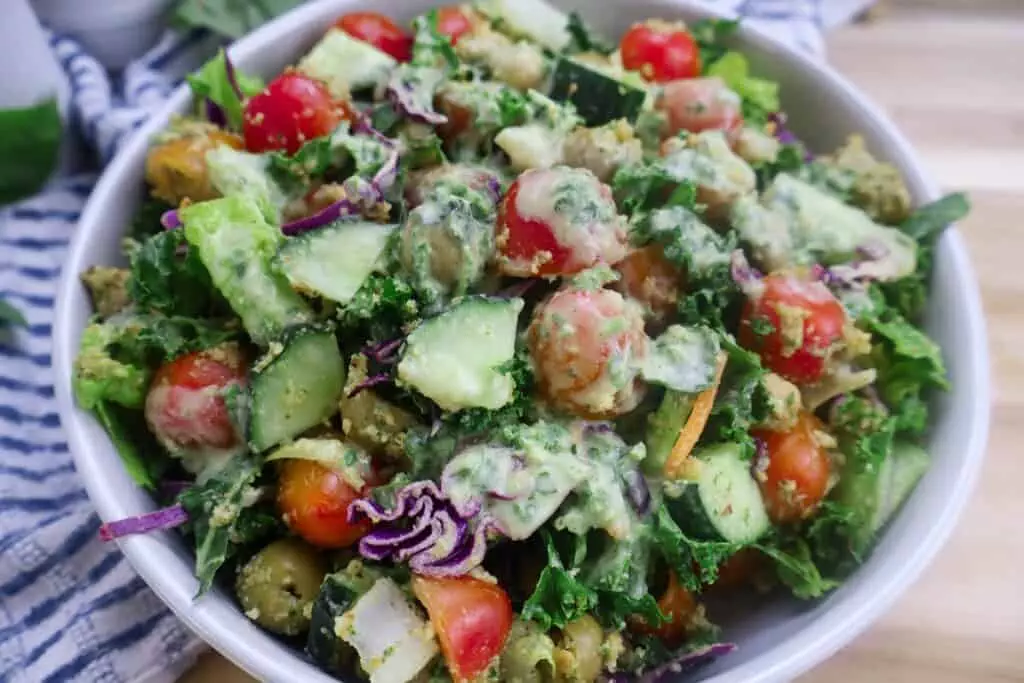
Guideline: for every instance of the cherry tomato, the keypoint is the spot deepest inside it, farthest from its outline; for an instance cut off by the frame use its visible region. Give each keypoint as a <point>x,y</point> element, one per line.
<point>292,110</point>
<point>793,325</point>
<point>700,104</point>
<point>452,22</point>
<point>739,569</point>
<point>676,603</point>
<point>379,31</point>
<point>660,51</point>
<point>314,500</point>
<point>797,472</point>
<point>585,345</point>
<point>558,221</point>
<point>647,276</point>
<point>472,619</point>
<point>185,406</point>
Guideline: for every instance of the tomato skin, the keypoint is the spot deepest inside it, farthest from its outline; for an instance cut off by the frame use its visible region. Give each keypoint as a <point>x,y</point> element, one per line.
<point>452,22</point>
<point>660,51</point>
<point>699,104</point>
<point>739,570</point>
<point>536,236</point>
<point>647,276</point>
<point>798,470</point>
<point>676,603</point>
<point>472,619</point>
<point>785,299</point>
<point>292,110</point>
<point>525,238</point>
<point>380,31</point>
<point>185,407</point>
<point>576,339</point>
<point>314,500</point>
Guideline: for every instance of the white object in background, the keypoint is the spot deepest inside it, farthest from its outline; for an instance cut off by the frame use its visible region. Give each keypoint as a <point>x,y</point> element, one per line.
<point>113,31</point>
<point>29,70</point>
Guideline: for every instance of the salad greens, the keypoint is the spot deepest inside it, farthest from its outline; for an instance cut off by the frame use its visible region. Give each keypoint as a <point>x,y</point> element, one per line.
<point>482,347</point>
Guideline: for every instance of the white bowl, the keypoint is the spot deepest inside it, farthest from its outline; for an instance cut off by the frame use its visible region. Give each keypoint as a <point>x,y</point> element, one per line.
<point>778,640</point>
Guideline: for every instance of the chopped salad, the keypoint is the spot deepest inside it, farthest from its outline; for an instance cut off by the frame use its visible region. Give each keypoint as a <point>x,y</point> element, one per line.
<point>484,347</point>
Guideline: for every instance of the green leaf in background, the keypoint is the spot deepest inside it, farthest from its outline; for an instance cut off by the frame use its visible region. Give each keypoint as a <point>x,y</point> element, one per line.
<point>927,223</point>
<point>231,18</point>
<point>9,315</point>
<point>29,147</point>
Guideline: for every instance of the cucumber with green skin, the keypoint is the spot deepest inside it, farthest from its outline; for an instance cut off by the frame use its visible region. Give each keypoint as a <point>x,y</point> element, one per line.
<point>598,97</point>
<point>724,503</point>
<point>456,358</point>
<point>876,495</point>
<point>333,261</point>
<point>236,244</point>
<point>295,386</point>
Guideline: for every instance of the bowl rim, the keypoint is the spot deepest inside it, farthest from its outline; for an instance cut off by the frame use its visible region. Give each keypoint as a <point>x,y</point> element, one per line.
<point>811,644</point>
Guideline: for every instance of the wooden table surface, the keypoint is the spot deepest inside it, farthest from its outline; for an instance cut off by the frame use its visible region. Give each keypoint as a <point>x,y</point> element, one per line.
<point>951,73</point>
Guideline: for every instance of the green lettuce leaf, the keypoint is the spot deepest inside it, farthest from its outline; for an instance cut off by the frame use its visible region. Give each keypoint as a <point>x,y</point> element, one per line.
<point>711,36</point>
<point>927,222</point>
<point>760,96</point>
<point>212,82</point>
<point>559,596</point>
<point>795,567</point>
<point>218,519</point>
<point>134,443</point>
<point>169,278</point>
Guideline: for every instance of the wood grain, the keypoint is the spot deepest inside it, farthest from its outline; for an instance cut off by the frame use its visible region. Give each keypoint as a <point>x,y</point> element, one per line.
<point>951,73</point>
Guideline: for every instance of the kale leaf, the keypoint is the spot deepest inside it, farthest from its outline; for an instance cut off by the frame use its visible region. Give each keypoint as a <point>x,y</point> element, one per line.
<point>168,277</point>
<point>560,597</point>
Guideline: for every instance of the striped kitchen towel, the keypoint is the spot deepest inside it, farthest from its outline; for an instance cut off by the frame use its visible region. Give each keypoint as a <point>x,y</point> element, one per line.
<point>71,609</point>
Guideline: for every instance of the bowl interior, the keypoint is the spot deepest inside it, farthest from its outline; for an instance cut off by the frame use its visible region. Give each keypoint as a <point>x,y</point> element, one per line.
<point>778,638</point>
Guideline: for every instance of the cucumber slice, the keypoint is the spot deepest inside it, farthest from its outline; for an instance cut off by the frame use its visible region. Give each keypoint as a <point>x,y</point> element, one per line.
<point>236,244</point>
<point>344,64</point>
<point>535,20</point>
<point>334,261</point>
<point>725,502</point>
<point>599,97</point>
<point>455,359</point>
<point>663,427</point>
<point>295,386</point>
<point>877,494</point>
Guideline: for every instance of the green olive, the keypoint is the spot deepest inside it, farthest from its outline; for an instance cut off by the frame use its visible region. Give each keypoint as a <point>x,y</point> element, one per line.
<point>528,655</point>
<point>278,585</point>
<point>579,658</point>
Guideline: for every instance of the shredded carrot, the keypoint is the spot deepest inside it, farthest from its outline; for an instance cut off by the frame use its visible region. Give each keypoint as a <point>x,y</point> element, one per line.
<point>679,459</point>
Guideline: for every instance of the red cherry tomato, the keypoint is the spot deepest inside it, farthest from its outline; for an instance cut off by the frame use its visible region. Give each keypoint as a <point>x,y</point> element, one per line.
<point>379,31</point>
<point>185,406</point>
<point>647,276</point>
<point>558,221</point>
<point>292,110</point>
<point>739,570</point>
<point>452,22</point>
<point>676,603</point>
<point>700,104</point>
<point>660,51</point>
<point>314,500</point>
<point>793,325</point>
<point>796,477</point>
<point>472,619</point>
<point>581,342</point>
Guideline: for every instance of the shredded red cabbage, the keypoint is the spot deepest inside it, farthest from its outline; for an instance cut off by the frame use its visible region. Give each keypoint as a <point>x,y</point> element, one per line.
<point>360,195</point>
<point>784,135</point>
<point>215,113</point>
<point>166,518</point>
<point>170,219</point>
<point>425,530</point>
<point>686,661</point>
<point>369,383</point>
<point>637,490</point>
<point>746,277</point>
<point>385,352</point>
<point>403,95</point>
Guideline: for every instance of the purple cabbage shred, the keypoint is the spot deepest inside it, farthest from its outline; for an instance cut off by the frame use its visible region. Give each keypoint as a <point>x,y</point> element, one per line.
<point>684,662</point>
<point>166,518</point>
<point>425,530</point>
<point>170,219</point>
<point>369,383</point>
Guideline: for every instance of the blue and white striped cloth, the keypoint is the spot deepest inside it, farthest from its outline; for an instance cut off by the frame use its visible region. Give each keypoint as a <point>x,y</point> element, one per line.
<point>71,609</point>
